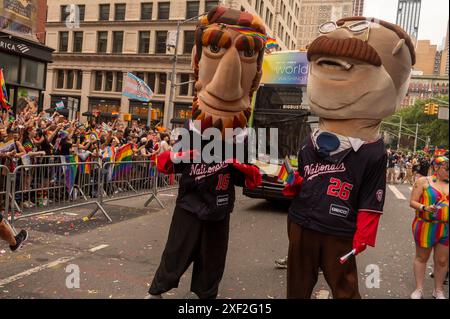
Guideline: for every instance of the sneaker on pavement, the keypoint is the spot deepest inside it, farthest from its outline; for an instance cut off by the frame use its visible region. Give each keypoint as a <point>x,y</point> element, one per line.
<point>438,294</point>
<point>21,237</point>
<point>417,294</point>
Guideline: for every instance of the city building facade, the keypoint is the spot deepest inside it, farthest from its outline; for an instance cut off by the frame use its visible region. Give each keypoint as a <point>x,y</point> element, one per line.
<point>94,54</point>
<point>358,8</point>
<point>426,57</point>
<point>315,12</point>
<point>23,57</point>
<point>408,16</point>
<point>424,87</point>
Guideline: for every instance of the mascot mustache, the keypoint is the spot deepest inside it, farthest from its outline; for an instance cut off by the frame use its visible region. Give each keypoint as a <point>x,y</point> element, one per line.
<point>352,48</point>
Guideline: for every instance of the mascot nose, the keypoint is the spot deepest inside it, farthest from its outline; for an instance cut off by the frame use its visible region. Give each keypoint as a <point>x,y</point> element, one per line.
<point>341,33</point>
<point>226,83</point>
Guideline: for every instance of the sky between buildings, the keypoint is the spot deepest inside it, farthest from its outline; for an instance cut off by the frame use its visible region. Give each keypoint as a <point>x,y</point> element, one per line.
<point>433,16</point>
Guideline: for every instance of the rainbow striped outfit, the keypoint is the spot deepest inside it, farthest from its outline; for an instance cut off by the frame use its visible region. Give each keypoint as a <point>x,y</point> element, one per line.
<point>430,229</point>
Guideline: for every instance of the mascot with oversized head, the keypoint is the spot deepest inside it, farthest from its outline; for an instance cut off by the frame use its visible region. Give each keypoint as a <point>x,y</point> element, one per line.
<point>359,73</point>
<point>227,62</point>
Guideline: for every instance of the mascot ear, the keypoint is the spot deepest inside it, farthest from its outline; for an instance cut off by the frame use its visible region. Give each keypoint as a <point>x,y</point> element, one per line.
<point>398,47</point>
<point>193,57</point>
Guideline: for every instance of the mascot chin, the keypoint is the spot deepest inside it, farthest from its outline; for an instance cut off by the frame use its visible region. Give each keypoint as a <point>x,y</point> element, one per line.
<point>359,73</point>
<point>227,62</point>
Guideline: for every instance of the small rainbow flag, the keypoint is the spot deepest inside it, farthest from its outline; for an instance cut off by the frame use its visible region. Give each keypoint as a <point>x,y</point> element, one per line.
<point>4,103</point>
<point>124,154</point>
<point>86,168</point>
<point>71,172</point>
<point>286,174</point>
<point>271,43</point>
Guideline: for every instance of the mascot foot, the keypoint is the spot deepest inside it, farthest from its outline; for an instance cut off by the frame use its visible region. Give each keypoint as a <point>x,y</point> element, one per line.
<point>149,296</point>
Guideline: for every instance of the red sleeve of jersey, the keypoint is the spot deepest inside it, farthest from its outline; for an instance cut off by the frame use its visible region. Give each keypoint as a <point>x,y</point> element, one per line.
<point>252,175</point>
<point>366,230</point>
<point>165,164</point>
<point>291,190</point>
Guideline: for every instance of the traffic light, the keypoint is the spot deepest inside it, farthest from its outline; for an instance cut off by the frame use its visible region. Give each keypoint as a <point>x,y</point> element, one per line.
<point>435,109</point>
<point>431,109</point>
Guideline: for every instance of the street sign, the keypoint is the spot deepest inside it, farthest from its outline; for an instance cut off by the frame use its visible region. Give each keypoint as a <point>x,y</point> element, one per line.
<point>443,113</point>
<point>171,38</point>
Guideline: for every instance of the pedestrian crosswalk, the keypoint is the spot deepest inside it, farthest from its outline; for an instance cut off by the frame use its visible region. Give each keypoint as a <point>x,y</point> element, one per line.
<point>401,191</point>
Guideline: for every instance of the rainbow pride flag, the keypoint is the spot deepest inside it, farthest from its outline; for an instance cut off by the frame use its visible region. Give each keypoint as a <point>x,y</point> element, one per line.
<point>271,43</point>
<point>4,103</point>
<point>70,172</point>
<point>286,174</point>
<point>86,168</point>
<point>124,154</point>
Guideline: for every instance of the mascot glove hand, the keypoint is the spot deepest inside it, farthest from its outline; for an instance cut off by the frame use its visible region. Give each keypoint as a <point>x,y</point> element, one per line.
<point>253,177</point>
<point>184,156</point>
<point>366,231</point>
<point>291,190</point>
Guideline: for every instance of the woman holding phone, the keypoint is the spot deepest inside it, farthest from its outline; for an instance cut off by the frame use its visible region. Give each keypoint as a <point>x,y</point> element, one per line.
<point>430,199</point>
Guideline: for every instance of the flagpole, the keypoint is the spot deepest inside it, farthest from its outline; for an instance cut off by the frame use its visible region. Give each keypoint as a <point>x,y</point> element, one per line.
<point>149,118</point>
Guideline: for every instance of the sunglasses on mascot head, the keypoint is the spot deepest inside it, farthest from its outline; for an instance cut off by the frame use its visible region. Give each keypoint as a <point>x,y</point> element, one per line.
<point>357,27</point>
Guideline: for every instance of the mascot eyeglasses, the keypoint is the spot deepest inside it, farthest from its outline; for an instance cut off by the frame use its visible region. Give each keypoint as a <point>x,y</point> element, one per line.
<point>358,27</point>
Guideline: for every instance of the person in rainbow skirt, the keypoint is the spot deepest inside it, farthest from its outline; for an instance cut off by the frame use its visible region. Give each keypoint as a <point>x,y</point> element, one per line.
<point>430,199</point>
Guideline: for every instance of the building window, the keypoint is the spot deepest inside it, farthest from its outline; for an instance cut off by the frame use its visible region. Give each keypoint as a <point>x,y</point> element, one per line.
<point>78,41</point>
<point>162,83</point>
<point>60,79</point>
<point>32,73</point>
<point>151,80</point>
<point>82,11</point>
<point>10,66</point>
<point>109,81</point>
<point>163,10</point>
<point>189,40</point>
<point>119,11</point>
<point>140,75</point>
<point>117,41</point>
<point>184,88</point>
<point>119,82</point>
<point>146,10</point>
<point>161,38</point>
<point>104,12</point>
<point>192,9</point>
<point>144,41</point>
<point>63,41</point>
<point>70,76</point>
<point>79,79</point>
<point>210,4</point>
<point>64,13</point>
<point>98,80</point>
<point>102,41</point>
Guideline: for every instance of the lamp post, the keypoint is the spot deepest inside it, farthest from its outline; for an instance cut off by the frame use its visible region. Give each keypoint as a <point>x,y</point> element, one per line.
<point>173,85</point>
<point>399,133</point>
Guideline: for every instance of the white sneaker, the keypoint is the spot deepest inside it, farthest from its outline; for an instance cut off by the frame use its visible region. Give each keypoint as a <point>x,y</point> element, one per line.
<point>149,296</point>
<point>438,294</point>
<point>417,294</point>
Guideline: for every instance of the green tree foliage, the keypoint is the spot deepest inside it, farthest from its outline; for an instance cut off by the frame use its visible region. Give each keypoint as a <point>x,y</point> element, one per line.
<point>430,125</point>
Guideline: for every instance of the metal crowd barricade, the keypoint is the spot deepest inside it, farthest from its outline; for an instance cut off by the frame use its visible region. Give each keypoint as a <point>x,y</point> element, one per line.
<point>164,183</point>
<point>5,187</point>
<point>45,188</point>
<point>128,179</point>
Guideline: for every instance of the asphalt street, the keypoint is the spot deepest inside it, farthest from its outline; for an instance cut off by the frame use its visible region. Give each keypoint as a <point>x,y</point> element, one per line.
<point>119,259</point>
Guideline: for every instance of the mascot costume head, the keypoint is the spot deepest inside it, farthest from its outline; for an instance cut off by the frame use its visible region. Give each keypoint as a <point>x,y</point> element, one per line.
<point>227,61</point>
<point>359,74</point>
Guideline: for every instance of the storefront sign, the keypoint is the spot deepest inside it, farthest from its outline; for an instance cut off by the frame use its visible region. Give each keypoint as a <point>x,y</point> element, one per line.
<point>285,68</point>
<point>17,46</point>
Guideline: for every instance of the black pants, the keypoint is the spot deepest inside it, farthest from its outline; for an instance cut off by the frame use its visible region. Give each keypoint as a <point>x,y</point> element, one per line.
<point>204,243</point>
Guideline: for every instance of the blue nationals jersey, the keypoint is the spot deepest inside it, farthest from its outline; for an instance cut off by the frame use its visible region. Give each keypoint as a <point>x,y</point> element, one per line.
<point>337,187</point>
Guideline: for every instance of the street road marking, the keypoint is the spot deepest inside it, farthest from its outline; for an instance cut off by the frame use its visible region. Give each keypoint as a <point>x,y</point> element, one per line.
<point>396,192</point>
<point>34,270</point>
<point>98,248</point>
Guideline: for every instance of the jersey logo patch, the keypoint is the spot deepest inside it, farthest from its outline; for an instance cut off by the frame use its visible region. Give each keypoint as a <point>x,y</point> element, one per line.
<point>380,195</point>
<point>222,200</point>
<point>340,211</point>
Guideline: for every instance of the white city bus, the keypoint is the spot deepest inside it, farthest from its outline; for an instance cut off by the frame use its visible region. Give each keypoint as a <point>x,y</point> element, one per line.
<point>281,103</point>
